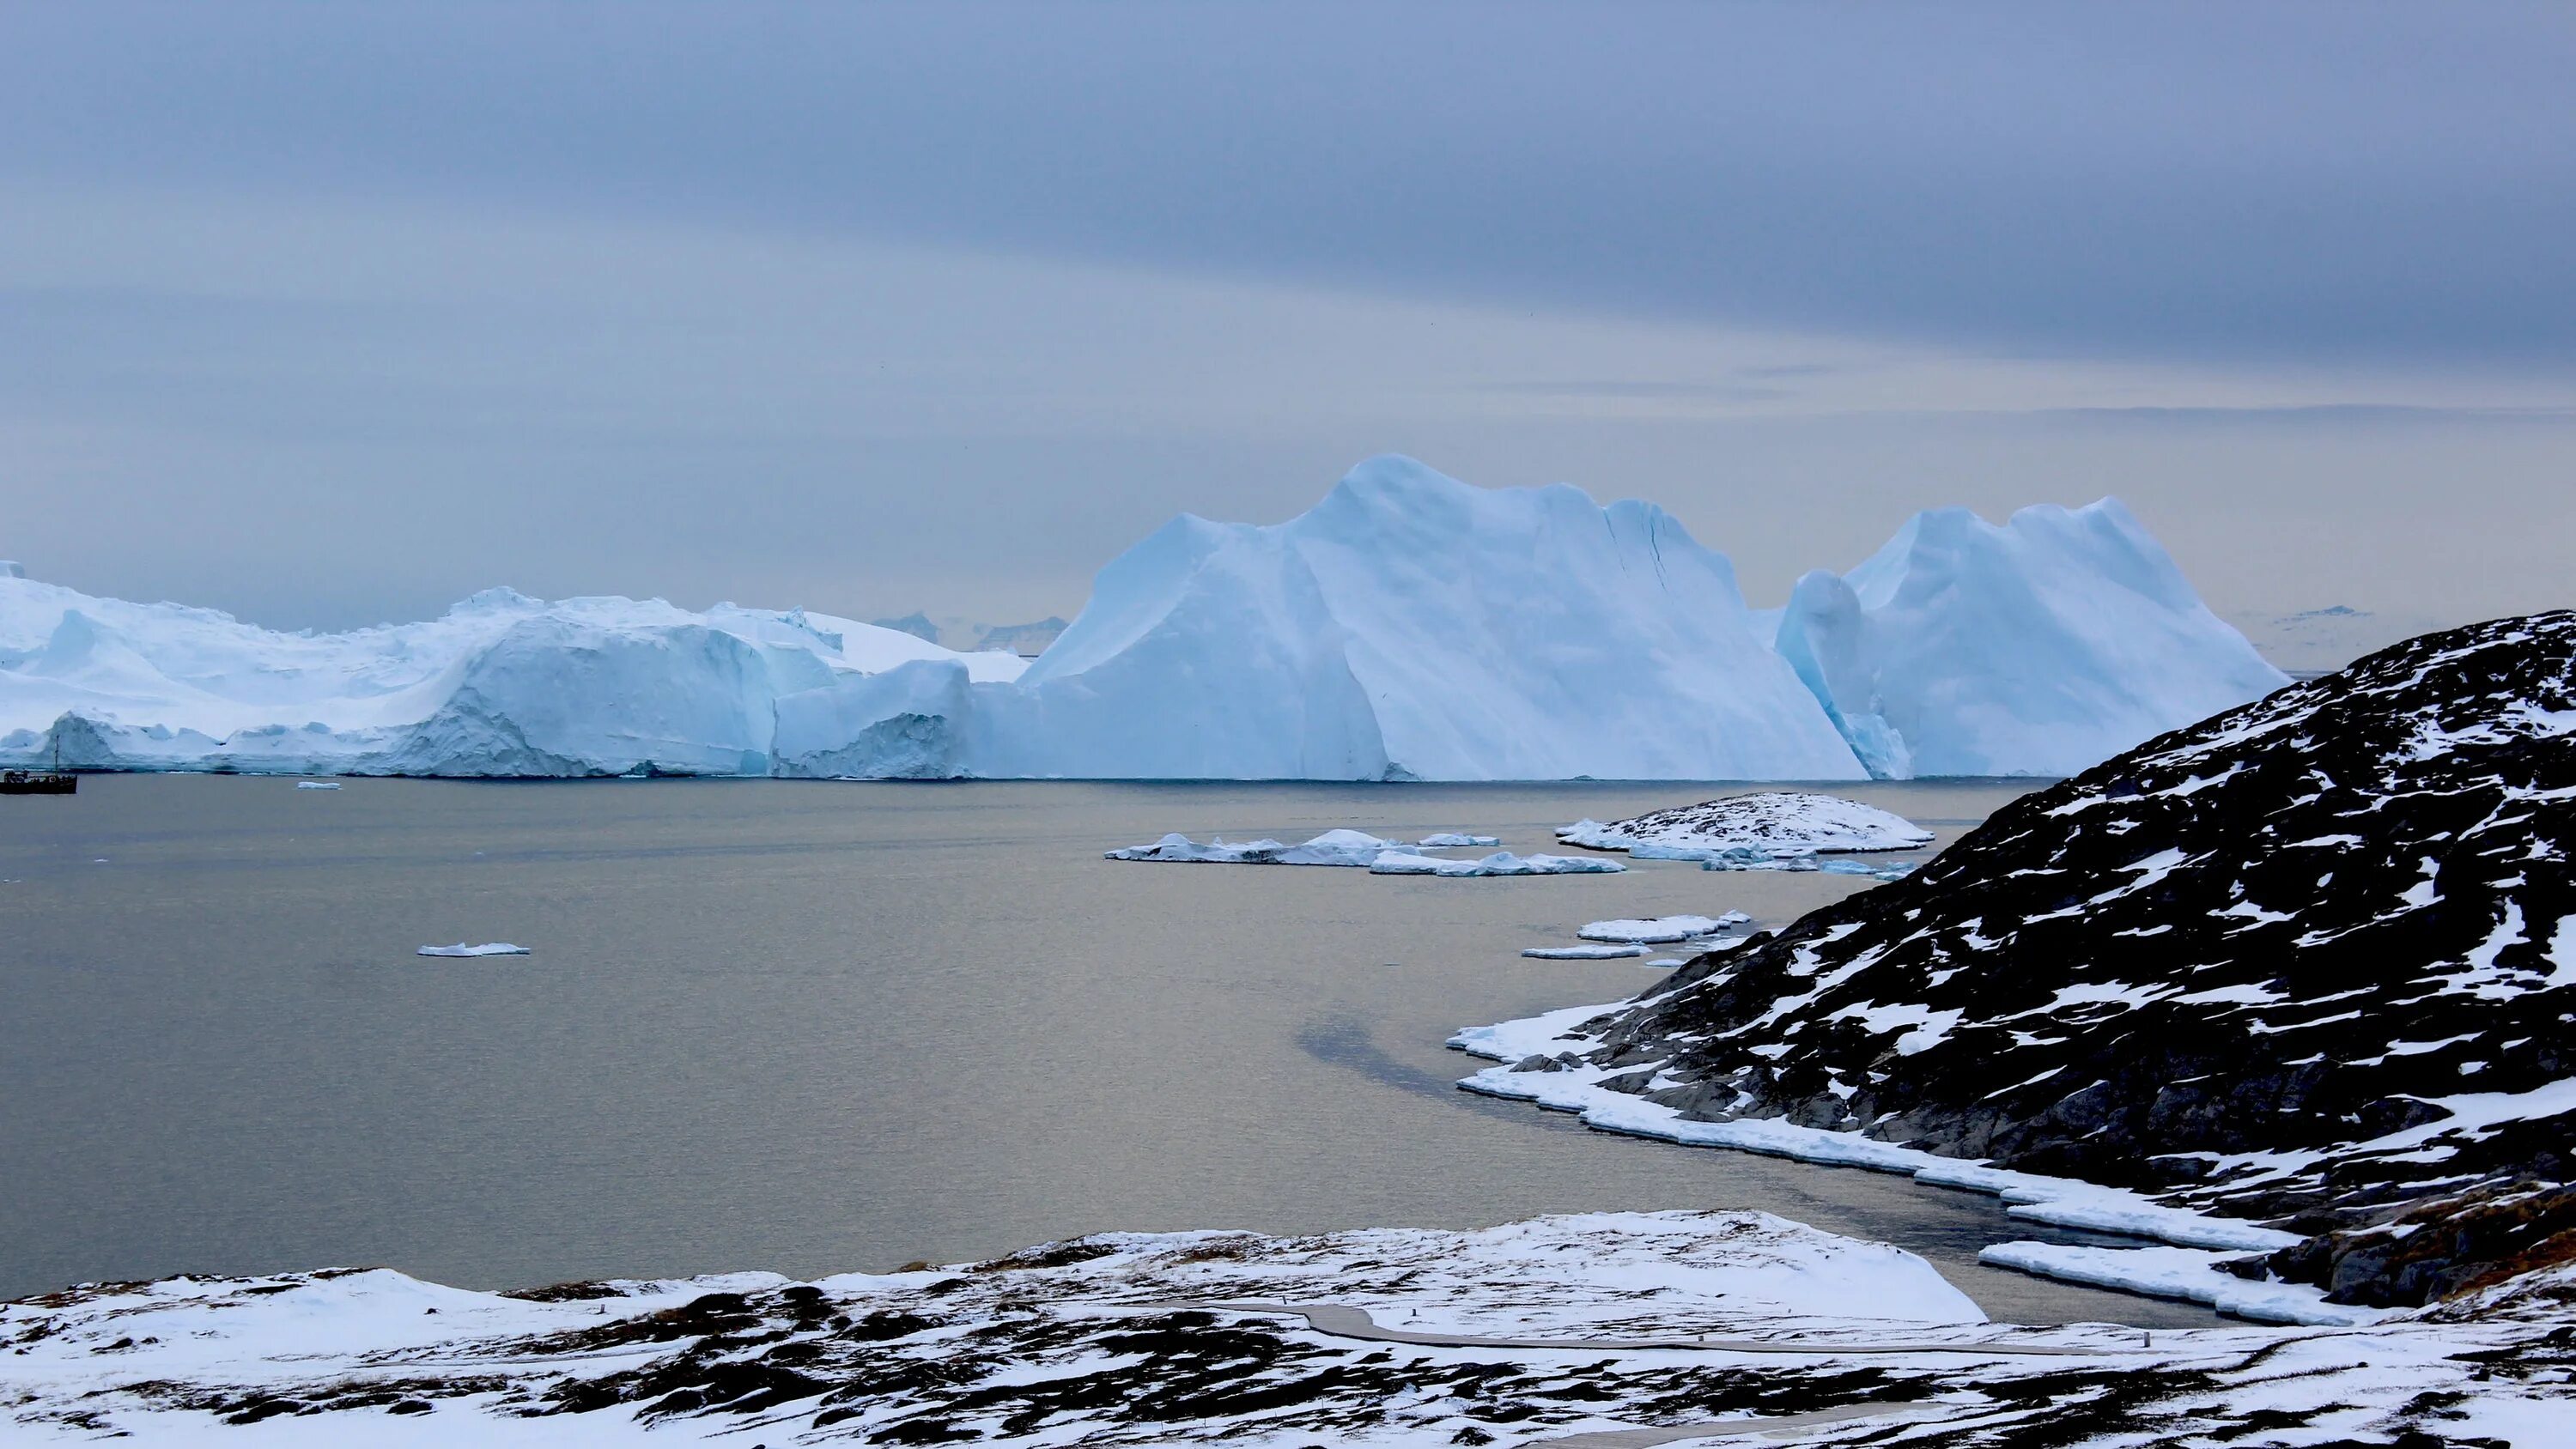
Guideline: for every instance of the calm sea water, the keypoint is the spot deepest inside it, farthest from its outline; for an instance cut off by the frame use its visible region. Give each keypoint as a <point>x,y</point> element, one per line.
<point>816,1027</point>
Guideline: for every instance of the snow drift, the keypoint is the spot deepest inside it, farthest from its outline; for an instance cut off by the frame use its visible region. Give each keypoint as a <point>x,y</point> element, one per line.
<point>1407,627</point>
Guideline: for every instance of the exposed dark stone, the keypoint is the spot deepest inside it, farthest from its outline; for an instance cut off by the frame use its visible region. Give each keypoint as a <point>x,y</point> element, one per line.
<point>2439,1249</point>
<point>2292,928</point>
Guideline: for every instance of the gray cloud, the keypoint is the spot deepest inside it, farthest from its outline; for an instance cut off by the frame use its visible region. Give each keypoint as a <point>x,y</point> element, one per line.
<point>2316,182</point>
<point>331,314</point>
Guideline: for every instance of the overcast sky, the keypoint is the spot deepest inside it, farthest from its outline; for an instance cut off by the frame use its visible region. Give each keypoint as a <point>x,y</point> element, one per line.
<point>330,314</point>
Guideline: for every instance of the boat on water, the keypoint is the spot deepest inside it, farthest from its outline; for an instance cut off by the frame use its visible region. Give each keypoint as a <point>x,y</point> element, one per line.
<point>56,781</point>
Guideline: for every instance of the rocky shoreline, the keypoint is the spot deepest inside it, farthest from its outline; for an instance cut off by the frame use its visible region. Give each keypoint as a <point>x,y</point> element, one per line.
<point>2308,963</point>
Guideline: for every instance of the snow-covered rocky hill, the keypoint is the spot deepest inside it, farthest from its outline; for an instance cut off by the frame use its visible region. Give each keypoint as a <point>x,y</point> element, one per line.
<point>1406,627</point>
<point>2311,962</point>
<point>1788,822</point>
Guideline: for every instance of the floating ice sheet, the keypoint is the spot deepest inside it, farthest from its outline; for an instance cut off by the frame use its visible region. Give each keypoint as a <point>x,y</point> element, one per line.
<point>1662,930</point>
<point>1501,862</point>
<point>1352,848</point>
<point>1779,822</point>
<point>2190,1274</point>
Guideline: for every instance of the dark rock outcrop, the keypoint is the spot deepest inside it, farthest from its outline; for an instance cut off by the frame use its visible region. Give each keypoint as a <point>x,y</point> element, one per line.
<point>2312,960</point>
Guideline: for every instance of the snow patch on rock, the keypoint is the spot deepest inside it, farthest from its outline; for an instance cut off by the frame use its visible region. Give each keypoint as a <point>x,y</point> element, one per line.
<point>1763,822</point>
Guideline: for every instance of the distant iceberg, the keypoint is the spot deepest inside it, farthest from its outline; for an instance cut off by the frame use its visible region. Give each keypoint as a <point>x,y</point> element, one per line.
<point>500,685</point>
<point>1408,627</point>
<point>2041,647</point>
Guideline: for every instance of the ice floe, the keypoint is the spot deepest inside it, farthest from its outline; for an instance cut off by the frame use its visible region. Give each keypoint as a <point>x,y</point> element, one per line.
<point>2194,1275</point>
<point>1662,930</point>
<point>317,784</point>
<point>1792,830</point>
<point>1360,850</point>
<point>1789,822</point>
<point>1349,848</point>
<point>489,948</point>
<point>1501,862</point>
<point>1604,952</point>
<point>1452,839</point>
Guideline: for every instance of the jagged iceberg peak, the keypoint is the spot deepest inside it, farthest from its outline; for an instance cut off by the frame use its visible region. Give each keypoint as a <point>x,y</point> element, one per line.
<point>1412,626</point>
<point>2036,647</point>
<point>500,599</point>
<point>1391,503</point>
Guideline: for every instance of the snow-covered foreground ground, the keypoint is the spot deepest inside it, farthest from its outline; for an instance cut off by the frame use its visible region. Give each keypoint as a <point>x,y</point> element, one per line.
<point>1711,1326</point>
<point>1406,627</point>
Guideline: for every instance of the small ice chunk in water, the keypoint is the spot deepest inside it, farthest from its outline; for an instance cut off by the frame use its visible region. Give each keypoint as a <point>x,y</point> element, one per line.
<point>489,948</point>
<point>1583,953</point>
<point>317,784</point>
<point>1665,961</point>
<point>1441,839</point>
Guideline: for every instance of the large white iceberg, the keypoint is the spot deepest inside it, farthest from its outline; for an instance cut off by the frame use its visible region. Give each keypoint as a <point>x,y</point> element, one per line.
<point>502,684</point>
<point>1407,627</point>
<point>2041,647</point>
